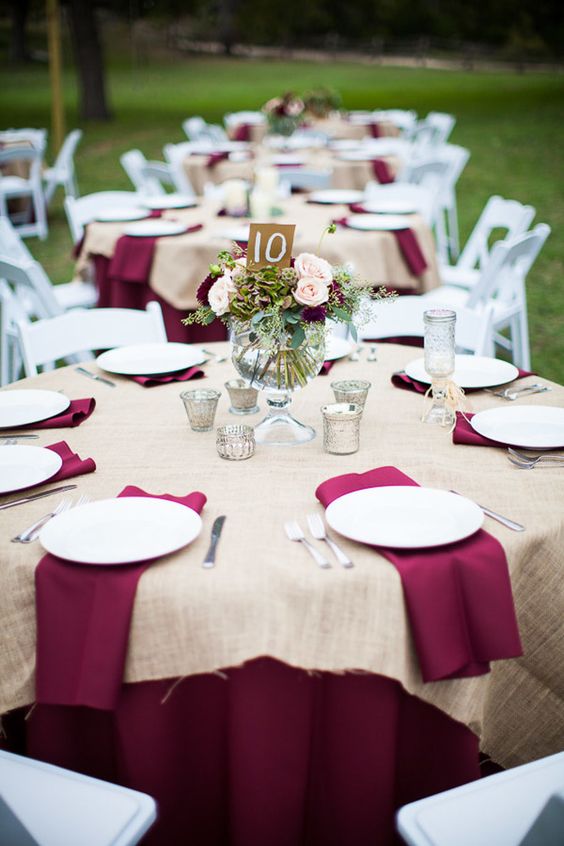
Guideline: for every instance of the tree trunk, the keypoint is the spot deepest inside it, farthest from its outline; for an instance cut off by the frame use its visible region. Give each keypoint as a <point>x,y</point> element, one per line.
<point>227,10</point>
<point>18,45</point>
<point>89,61</point>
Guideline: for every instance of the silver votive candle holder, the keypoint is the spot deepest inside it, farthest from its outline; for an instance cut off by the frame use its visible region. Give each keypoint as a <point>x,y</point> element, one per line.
<point>243,397</point>
<point>351,390</point>
<point>200,406</point>
<point>235,442</point>
<point>341,427</point>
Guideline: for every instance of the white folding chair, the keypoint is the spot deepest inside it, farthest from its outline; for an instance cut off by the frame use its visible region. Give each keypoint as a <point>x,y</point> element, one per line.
<point>234,119</point>
<point>80,331</point>
<point>404,119</point>
<point>10,356</point>
<point>502,285</point>
<point>304,179</point>
<point>148,177</point>
<point>498,213</point>
<point>510,808</point>
<point>83,210</point>
<point>420,198</point>
<point>433,130</point>
<point>77,293</point>
<point>33,221</point>
<point>175,155</point>
<point>35,137</point>
<point>56,806</point>
<point>197,129</point>
<point>63,173</point>
<point>403,318</point>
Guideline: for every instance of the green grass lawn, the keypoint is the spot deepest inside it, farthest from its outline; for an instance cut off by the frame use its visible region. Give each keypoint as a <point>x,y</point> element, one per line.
<point>511,124</point>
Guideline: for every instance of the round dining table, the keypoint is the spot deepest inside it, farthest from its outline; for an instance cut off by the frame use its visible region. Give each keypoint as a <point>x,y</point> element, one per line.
<point>266,699</point>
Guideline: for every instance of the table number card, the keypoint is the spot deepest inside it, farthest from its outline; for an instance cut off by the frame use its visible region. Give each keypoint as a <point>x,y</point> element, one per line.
<point>270,243</point>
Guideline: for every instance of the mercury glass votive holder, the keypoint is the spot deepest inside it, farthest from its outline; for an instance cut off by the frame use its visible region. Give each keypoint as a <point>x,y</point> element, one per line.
<point>341,427</point>
<point>243,398</point>
<point>351,390</point>
<point>200,407</point>
<point>235,443</point>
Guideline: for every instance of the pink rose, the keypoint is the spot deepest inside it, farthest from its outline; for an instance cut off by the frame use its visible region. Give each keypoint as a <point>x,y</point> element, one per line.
<point>310,291</point>
<point>218,296</point>
<point>306,264</point>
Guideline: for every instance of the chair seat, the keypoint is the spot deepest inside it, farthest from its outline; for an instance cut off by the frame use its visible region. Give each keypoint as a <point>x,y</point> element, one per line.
<point>452,297</point>
<point>15,185</point>
<point>463,277</point>
<point>76,294</point>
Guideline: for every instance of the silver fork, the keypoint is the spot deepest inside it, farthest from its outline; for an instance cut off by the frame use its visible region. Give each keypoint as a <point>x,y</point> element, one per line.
<point>319,532</point>
<point>527,462</point>
<point>32,532</point>
<point>217,358</point>
<point>512,394</point>
<point>294,533</point>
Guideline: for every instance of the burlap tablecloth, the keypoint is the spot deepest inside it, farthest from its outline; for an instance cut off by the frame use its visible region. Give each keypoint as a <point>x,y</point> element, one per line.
<point>266,596</point>
<point>181,262</point>
<point>333,127</point>
<point>344,174</point>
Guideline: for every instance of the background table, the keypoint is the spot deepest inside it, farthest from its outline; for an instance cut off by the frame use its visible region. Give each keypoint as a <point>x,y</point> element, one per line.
<point>267,598</point>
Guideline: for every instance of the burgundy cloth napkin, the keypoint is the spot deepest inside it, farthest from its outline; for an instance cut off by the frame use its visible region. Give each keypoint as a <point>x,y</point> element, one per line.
<point>326,367</point>
<point>375,130</point>
<point>242,132</point>
<point>133,257</point>
<point>78,411</point>
<point>382,171</point>
<point>73,464</point>
<point>83,619</point>
<point>216,158</point>
<point>408,244</point>
<point>402,380</point>
<point>464,433</point>
<point>458,597</point>
<point>180,376</point>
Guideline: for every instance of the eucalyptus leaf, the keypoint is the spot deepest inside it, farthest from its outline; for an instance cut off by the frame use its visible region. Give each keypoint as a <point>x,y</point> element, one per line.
<point>298,337</point>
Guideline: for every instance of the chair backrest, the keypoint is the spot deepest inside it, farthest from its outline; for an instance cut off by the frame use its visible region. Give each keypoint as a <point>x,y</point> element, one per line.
<point>403,318</point>
<point>433,130</point>
<point>31,285</point>
<point>64,163</point>
<point>404,119</point>
<point>421,198</point>
<point>440,167</point>
<point>36,137</point>
<point>175,155</point>
<point>24,152</point>
<point>80,330</point>
<point>503,277</point>
<point>498,213</point>
<point>148,177</point>
<point>233,119</point>
<point>197,129</point>
<point>11,245</point>
<point>83,210</point>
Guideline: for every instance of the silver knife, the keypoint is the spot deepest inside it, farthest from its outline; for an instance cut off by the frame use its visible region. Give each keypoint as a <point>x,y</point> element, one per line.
<point>84,372</point>
<point>37,496</point>
<point>17,435</point>
<point>505,521</point>
<point>209,560</point>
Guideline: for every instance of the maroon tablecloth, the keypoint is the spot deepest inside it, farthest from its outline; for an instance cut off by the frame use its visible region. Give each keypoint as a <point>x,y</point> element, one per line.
<point>262,755</point>
<point>117,292</point>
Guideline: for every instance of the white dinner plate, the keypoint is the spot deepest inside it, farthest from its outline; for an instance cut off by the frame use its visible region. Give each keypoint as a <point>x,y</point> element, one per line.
<point>404,517</point>
<point>336,196</point>
<point>377,222</point>
<point>155,227</point>
<point>120,214</point>
<point>121,531</point>
<point>23,466</point>
<point>170,201</point>
<point>337,348</point>
<point>389,205</point>
<point>150,359</point>
<point>532,427</point>
<point>357,156</point>
<point>470,371</point>
<point>20,407</point>
<point>235,233</point>
<point>343,144</point>
<point>208,148</point>
<point>288,159</point>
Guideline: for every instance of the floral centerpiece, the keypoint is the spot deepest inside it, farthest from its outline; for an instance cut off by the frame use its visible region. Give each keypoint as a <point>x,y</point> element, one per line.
<point>284,114</point>
<point>320,102</point>
<point>278,320</point>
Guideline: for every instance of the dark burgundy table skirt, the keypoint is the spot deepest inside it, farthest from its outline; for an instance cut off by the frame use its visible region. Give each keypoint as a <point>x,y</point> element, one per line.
<point>117,293</point>
<point>262,755</point>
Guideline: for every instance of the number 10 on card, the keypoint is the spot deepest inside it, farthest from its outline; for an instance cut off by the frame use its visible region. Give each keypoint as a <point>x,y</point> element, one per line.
<point>270,243</point>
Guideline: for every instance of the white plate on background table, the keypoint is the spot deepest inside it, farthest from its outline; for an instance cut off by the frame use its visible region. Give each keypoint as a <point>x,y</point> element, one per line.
<point>337,348</point>
<point>336,196</point>
<point>155,227</point>
<point>116,214</point>
<point>235,233</point>
<point>20,407</point>
<point>470,371</point>
<point>170,201</point>
<point>121,531</point>
<point>404,517</point>
<point>23,466</point>
<point>357,156</point>
<point>389,205</point>
<point>150,359</point>
<point>287,159</point>
<point>377,222</point>
<point>532,427</point>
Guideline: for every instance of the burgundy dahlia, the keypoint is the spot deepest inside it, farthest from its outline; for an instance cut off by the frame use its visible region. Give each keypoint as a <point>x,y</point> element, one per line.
<point>314,314</point>
<point>204,289</point>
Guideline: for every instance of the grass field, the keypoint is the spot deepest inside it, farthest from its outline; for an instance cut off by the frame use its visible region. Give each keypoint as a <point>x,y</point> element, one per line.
<point>511,124</point>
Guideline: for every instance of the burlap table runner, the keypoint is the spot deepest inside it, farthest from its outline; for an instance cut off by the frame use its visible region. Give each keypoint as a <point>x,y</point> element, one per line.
<point>266,596</point>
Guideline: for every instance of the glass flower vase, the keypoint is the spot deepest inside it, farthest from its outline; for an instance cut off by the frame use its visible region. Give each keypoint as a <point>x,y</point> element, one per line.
<point>278,370</point>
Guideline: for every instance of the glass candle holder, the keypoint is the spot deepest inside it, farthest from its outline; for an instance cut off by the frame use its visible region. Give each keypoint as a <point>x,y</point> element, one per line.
<point>200,407</point>
<point>243,398</point>
<point>235,443</point>
<point>439,326</point>
<point>351,390</point>
<point>341,427</point>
